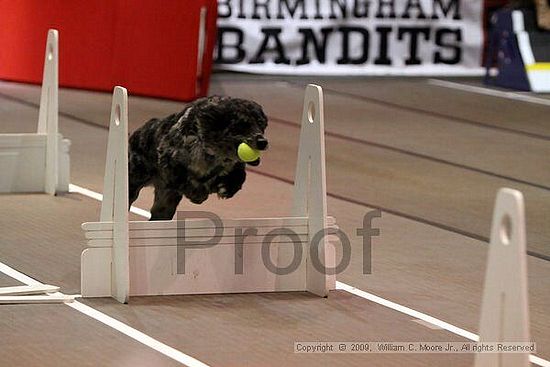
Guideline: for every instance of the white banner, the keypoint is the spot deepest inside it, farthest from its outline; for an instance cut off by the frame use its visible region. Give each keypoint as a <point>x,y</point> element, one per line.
<point>350,37</point>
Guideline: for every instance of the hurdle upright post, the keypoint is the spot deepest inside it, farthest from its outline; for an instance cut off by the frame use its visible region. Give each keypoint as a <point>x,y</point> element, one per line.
<point>114,207</point>
<point>504,308</point>
<point>48,113</point>
<point>309,197</point>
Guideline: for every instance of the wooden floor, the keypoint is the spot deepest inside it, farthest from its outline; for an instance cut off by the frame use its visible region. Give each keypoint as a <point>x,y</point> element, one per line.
<point>430,157</point>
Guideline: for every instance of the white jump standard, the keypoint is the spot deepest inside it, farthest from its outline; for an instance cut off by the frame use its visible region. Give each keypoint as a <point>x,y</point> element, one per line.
<point>504,307</point>
<point>141,258</point>
<point>38,162</point>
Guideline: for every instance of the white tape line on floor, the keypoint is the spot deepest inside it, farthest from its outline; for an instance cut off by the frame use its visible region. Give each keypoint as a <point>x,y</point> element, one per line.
<point>99,197</point>
<point>407,311</point>
<point>137,335</point>
<point>111,322</point>
<point>489,92</point>
<point>424,317</point>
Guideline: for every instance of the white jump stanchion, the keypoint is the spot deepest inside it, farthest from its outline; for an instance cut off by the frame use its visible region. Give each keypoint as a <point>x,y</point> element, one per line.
<point>144,255</point>
<point>114,207</point>
<point>310,196</point>
<point>504,308</point>
<point>48,115</point>
<point>38,162</point>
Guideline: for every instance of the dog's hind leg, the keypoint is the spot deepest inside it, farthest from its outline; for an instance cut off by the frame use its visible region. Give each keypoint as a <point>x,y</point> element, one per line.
<point>166,202</point>
<point>138,178</point>
<point>133,193</point>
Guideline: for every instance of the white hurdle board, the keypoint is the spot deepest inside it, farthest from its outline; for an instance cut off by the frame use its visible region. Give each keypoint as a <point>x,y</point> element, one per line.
<point>504,308</point>
<point>29,294</point>
<point>38,162</point>
<point>141,258</point>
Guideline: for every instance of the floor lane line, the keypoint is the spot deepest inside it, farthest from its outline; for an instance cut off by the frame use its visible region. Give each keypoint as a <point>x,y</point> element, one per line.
<point>20,277</point>
<point>99,197</point>
<point>489,92</point>
<point>408,311</point>
<point>113,323</point>
<point>425,317</point>
<point>137,335</point>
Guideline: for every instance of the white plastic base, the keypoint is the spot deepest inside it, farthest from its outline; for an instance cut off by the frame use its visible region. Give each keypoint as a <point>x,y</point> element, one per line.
<point>23,163</point>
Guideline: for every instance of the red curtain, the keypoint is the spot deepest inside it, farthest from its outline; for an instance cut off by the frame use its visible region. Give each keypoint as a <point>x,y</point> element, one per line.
<point>149,47</point>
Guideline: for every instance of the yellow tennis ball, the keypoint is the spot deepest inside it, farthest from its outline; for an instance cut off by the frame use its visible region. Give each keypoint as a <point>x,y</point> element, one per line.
<point>246,153</point>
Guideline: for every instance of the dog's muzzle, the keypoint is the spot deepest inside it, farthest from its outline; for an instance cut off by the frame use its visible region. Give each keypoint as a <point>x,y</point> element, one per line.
<point>261,143</point>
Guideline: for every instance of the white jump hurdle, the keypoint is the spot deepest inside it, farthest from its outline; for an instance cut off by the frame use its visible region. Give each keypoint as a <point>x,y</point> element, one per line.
<point>38,162</point>
<point>141,258</point>
<point>30,294</point>
<point>504,308</point>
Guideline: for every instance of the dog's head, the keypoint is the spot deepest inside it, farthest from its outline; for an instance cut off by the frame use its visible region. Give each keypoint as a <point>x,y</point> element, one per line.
<point>225,122</point>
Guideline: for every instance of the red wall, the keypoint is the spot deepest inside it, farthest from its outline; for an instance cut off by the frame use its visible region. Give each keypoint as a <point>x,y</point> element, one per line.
<point>147,46</point>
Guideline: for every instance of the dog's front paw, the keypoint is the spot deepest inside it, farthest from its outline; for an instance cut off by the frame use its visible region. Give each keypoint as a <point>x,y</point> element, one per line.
<point>198,195</point>
<point>226,192</point>
<point>223,193</point>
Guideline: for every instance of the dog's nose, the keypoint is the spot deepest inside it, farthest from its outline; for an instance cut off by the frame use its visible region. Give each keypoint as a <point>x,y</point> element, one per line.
<point>261,143</point>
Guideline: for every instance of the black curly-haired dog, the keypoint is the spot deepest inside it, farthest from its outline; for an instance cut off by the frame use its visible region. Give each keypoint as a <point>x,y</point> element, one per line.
<point>193,153</point>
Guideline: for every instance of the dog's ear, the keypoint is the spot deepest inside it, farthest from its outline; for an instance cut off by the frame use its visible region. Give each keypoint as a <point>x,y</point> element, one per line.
<point>260,116</point>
